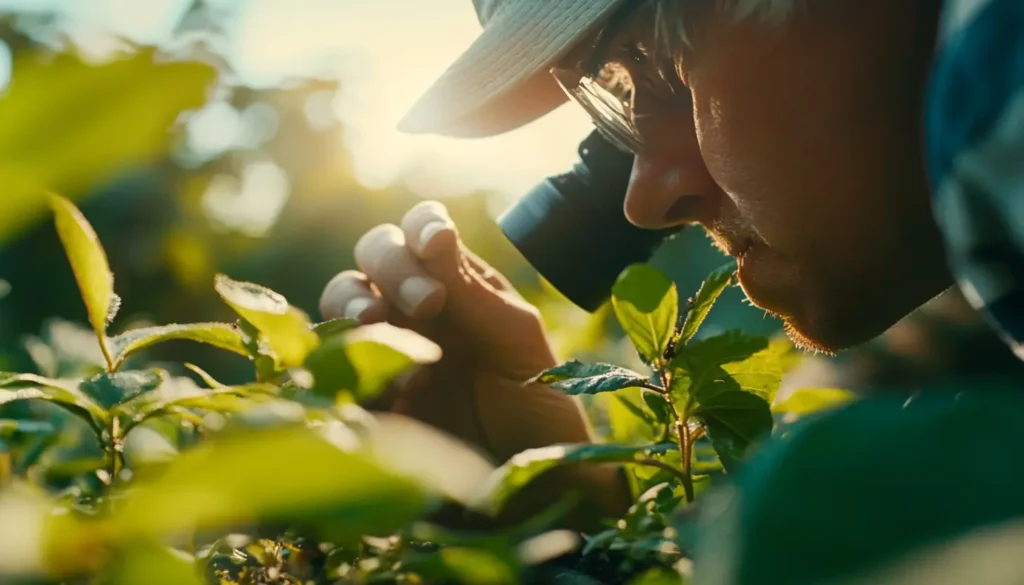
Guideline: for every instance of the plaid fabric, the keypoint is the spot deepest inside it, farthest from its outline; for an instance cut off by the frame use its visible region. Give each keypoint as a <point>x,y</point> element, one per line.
<point>975,138</point>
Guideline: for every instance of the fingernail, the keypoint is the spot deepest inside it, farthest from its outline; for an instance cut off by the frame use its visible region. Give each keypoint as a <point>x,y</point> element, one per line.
<point>430,230</point>
<point>356,307</point>
<point>415,290</point>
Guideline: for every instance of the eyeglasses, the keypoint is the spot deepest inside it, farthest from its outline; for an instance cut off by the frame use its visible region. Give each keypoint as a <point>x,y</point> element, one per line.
<point>620,63</point>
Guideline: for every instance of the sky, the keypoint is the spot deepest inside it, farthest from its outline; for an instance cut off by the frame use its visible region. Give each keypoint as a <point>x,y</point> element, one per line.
<point>388,52</point>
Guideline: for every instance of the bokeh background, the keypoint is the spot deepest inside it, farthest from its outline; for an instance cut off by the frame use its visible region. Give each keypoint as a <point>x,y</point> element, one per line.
<point>286,158</point>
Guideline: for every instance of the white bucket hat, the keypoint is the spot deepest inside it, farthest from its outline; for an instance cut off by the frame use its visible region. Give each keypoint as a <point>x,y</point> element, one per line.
<point>501,82</point>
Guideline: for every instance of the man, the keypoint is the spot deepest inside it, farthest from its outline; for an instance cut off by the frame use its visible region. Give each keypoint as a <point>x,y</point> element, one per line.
<point>856,156</point>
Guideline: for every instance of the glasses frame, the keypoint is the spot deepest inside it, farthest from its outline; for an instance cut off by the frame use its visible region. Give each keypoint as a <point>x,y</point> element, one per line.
<point>578,80</point>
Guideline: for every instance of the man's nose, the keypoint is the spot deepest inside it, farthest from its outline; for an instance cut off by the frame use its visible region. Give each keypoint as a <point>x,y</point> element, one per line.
<point>670,185</point>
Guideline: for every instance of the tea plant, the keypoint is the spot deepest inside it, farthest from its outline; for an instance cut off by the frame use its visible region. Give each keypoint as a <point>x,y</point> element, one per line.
<point>288,480</point>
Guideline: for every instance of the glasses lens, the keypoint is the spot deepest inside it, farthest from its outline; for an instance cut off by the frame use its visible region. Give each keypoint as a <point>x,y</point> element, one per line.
<point>607,98</point>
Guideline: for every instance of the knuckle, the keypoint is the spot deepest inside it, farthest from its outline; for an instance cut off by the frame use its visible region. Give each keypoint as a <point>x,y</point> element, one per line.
<point>376,239</point>
<point>423,212</point>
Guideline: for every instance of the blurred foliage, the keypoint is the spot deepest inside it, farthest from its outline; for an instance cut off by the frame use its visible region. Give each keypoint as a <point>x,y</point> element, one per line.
<point>286,479</point>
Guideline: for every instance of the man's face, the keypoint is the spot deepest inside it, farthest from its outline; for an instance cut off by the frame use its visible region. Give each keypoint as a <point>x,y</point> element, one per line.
<point>802,156</point>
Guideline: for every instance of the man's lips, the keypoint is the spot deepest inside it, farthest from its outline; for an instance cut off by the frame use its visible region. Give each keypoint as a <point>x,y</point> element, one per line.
<point>738,249</point>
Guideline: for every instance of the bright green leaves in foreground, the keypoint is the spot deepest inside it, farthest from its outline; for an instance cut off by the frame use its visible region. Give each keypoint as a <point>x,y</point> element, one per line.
<point>527,465</point>
<point>89,263</point>
<point>286,330</point>
<point>646,304</point>
<point>363,360</point>
<point>280,474</point>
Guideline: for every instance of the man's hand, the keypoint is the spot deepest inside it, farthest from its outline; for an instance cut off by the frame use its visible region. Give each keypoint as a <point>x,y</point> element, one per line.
<point>420,276</point>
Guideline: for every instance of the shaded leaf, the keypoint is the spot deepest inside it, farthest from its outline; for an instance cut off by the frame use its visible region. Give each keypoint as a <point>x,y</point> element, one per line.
<point>89,264</point>
<point>710,290</point>
<point>286,330</point>
<point>734,421</point>
<point>811,400</point>
<point>332,369</point>
<point>731,346</point>
<point>524,467</point>
<point>274,475</point>
<point>658,405</point>
<point>109,390</point>
<point>461,565</point>
<point>220,335</point>
<point>334,326</point>
<point>575,377</point>
<point>646,304</point>
<point>62,392</point>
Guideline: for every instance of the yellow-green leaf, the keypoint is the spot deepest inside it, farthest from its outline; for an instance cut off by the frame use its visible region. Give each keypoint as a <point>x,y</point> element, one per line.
<point>381,351</point>
<point>283,474</point>
<point>222,335</point>
<point>68,125</point>
<point>810,400</point>
<point>285,329</point>
<point>89,263</point>
<point>646,304</point>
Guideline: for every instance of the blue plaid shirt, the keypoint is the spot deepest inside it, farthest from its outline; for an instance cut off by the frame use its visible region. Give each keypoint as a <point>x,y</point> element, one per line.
<point>975,138</point>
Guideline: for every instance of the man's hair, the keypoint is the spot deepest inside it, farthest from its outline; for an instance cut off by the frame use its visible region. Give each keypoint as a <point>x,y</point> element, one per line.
<point>673,18</point>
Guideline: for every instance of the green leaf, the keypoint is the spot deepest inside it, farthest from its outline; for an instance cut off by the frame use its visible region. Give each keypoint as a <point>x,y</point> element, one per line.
<point>525,466</point>
<point>646,304</point>
<point>334,326</point>
<point>89,264</point>
<point>731,346</point>
<point>109,390</point>
<point>759,374</point>
<point>658,405</point>
<point>64,393</point>
<point>734,421</point>
<point>222,335</point>
<point>365,359</point>
<point>184,393</point>
<point>10,429</point>
<point>710,290</point>
<point>575,377</point>
<point>52,138</point>
<point>381,351</point>
<point>461,565</point>
<point>811,400</point>
<point>331,368</point>
<point>273,475</point>
<point>151,563</point>
<point>285,329</point>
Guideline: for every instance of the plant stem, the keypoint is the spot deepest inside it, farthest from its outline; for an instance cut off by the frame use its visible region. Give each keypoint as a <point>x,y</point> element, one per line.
<point>102,338</point>
<point>665,466</point>
<point>682,434</point>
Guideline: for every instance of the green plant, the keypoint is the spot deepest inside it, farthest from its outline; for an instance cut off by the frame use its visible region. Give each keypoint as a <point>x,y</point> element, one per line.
<point>143,475</point>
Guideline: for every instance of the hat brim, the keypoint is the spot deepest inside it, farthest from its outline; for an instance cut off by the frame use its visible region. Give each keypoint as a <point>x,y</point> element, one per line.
<point>501,82</point>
